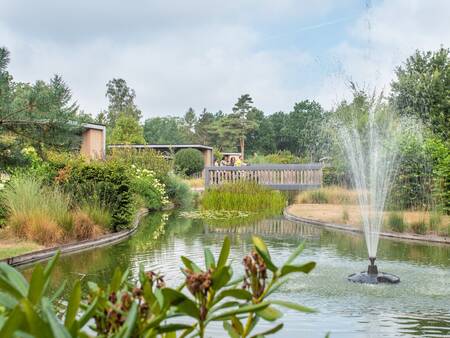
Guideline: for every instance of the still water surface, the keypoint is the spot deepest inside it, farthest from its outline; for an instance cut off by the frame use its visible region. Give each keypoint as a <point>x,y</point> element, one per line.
<point>418,306</point>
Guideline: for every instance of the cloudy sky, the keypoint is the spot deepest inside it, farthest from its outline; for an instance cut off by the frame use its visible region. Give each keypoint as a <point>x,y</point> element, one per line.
<point>205,53</point>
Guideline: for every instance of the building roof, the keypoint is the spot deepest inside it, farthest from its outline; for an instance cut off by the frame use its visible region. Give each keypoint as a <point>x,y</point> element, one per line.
<point>96,126</point>
<point>160,146</point>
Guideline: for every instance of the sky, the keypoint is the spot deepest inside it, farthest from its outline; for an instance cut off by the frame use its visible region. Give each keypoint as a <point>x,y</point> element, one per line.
<point>178,54</point>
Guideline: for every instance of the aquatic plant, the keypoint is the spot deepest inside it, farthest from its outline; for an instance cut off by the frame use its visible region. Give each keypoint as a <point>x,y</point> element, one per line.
<point>243,196</point>
<point>396,222</point>
<point>149,308</point>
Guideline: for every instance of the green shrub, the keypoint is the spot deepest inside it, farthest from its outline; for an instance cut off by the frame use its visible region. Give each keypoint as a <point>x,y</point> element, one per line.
<point>243,196</point>
<point>178,191</point>
<point>107,182</point>
<point>396,222</point>
<point>189,161</point>
<point>148,307</point>
<point>280,157</point>
<point>145,159</point>
<point>419,227</point>
<point>99,214</point>
<point>146,185</point>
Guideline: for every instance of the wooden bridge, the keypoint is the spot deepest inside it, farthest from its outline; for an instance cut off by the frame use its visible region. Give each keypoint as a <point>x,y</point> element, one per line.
<point>276,176</point>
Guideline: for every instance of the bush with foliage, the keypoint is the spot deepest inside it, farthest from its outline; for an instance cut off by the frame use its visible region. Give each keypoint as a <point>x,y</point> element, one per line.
<point>188,161</point>
<point>280,157</point>
<point>150,308</point>
<point>145,159</point>
<point>419,227</point>
<point>244,196</point>
<point>178,191</point>
<point>107,182</point>
<point>147,186</point>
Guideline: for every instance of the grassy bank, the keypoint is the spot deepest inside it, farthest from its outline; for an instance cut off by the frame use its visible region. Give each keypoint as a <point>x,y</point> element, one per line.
<point>339,205</point>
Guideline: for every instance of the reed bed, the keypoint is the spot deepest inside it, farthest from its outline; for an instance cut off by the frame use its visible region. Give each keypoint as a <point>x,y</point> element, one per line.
<point>244,196</point>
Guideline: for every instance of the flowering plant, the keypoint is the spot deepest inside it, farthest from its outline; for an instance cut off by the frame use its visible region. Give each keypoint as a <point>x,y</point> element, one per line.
<point>149,187</point>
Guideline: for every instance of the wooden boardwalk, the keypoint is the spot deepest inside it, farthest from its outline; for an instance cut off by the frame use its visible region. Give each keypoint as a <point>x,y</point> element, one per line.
<point>276,176</point>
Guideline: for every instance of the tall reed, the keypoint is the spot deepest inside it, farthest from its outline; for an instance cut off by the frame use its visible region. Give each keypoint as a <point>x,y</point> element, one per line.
<point>244,196</point>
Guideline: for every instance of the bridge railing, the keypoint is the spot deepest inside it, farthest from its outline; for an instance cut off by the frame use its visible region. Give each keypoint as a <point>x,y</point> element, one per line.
<point>276,176</point>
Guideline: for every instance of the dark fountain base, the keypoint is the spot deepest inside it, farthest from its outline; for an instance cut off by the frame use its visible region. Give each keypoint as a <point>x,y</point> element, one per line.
<point>372,276</point>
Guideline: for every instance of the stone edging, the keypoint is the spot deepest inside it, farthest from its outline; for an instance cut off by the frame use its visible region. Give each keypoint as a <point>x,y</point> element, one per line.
<point>39,255</point>
<point>409,237</point>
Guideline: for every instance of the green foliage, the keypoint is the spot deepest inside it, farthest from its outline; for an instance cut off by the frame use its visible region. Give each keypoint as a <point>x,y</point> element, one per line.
<point>145,184</point>
<point>396,222</point>
<point>244,196</point>
<point>127,130</point>
<point>150,308</point>
<point>421,89</point>
<point>165,130</point>
<point>419,227</point>
<point>335,176</point>
<point>281,157</point>
<point>121,102</point>
<point>147,159</point>
<point>178,191</point>
<point>107,182</point>
<point>189,161</point>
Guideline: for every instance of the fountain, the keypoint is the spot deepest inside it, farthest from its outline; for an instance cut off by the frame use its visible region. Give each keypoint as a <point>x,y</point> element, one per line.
<point>371,148</point>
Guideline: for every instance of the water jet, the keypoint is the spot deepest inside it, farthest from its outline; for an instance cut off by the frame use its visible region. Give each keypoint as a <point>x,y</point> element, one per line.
<point>371,149</point>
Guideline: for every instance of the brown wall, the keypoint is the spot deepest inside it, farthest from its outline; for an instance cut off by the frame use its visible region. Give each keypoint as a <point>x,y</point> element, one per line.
<point>92,145</point>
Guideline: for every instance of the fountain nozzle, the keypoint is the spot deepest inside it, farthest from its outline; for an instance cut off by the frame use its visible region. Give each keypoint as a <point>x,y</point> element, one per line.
<point>372,268</point>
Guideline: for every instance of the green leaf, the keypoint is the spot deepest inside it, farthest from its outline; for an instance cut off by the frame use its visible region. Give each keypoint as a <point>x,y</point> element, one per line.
<point>127,329</point>
<point>15,319</point>
<point>295,253</point>
<point>270,314</point>
<point>88,313</point>
<point>116,280</point>
<point>173,327</point>
<point>279,283</point>
<point>234,293</point>
<point>273,330</point>
<point>12,281</point>
<point>190,264</point>
<point>57,329</point>
<point>51,265</point>
<point>189,308</point>
<point>181,302</point>
<point>237,325</point>
<point>221,277</point>
<point>261,248</point>
<point>224,252</point>
<point>210,262</point>
<point>305,268</point>
<point>55,295</point>
<point>293,306</point>
<point>231,330</point>
<point>243,309</point>
<point>7,301</point>
<point>36,284</point>
<point>35,323</point>
<point>73,305</point>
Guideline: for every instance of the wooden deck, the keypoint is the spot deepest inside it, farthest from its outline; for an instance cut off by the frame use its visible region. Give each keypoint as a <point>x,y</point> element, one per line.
<point>276,176</point>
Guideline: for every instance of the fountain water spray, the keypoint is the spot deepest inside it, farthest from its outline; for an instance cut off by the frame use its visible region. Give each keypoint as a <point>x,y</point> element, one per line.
<point>371,148</point>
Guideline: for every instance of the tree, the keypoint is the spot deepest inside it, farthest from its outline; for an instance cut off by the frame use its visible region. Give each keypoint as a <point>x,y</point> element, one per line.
<point>305,129</point>
<point>203,127</point>
<point>127,131</point>
<point>121,101</point>
<point>238,122</point>
<point>421,89</point>
<point>39,114</point>
<point>165,130</point>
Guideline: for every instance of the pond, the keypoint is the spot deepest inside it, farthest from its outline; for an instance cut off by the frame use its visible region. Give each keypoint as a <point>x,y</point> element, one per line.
<point>418,306</point>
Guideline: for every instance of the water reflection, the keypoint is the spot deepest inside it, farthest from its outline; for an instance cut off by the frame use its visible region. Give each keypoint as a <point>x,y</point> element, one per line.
<point>420,305</point>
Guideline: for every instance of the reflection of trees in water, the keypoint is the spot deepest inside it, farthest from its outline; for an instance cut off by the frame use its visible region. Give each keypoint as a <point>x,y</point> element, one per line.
<point>278,227</point>
<point>435,325</point>
<point>353,245</point>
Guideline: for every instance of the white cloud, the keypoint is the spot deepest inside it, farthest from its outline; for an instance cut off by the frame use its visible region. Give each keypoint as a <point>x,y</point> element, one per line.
<point>206,53</point>
<point>382,40</point>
